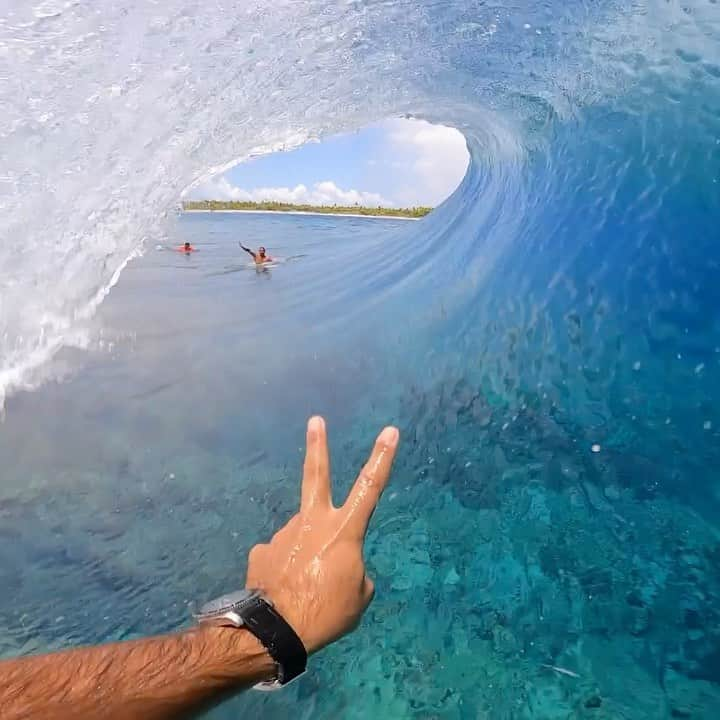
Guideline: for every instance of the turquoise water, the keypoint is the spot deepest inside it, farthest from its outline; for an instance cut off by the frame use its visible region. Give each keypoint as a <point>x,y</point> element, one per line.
<point>548,341</point>
<point>503,545</point>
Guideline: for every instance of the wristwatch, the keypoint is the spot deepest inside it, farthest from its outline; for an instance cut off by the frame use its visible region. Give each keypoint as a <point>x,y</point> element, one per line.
<point>249,609</point>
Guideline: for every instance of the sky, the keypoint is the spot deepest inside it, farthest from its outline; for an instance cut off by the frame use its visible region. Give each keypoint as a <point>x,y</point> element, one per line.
<point>394,163</point>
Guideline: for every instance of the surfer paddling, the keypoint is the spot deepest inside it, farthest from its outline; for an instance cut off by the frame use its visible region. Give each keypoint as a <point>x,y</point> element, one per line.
<point>260,257</point>
<point>186,248</point>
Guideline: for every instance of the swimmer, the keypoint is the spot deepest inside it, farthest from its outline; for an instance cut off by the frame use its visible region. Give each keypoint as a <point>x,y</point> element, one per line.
<point>259,257</point>
<point>186,248</point>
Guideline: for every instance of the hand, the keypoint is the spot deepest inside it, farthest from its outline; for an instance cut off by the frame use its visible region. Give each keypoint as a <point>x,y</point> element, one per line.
<point>313,569</point>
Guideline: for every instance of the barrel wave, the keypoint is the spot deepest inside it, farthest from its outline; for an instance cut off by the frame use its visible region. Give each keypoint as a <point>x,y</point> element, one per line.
<point>548,339</point>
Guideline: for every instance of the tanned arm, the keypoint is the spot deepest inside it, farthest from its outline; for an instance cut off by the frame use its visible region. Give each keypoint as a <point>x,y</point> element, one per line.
<point>247,250</point>
<point>173,676</point>
<point>312,571</point>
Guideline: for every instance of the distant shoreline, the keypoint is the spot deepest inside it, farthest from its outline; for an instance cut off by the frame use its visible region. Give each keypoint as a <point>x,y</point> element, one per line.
<point>304,212</point>
<point>271,206</point>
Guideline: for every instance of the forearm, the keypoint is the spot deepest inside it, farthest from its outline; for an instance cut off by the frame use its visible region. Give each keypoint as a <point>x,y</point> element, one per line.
<point>172,676</point>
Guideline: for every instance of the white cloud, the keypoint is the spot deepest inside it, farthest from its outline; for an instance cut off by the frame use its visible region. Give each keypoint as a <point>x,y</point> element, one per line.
<point>434,158</point>
<point>411,162</point>
<point>321,193</point>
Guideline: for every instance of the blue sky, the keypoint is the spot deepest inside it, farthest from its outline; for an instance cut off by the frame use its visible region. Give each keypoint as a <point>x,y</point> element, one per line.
<point>396,162</point>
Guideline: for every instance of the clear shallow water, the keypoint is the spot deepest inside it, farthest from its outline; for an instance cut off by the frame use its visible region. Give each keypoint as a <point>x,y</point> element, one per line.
<point>564,296</point>
<point>503,543</point>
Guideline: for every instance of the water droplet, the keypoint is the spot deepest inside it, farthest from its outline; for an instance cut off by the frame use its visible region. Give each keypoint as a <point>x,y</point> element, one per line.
<point>595,448</point>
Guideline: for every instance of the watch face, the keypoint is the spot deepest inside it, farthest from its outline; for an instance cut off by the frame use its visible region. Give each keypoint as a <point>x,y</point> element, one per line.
<point>228,602</point>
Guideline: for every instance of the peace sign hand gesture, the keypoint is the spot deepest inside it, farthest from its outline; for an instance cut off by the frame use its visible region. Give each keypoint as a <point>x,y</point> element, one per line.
<point>313,570</point>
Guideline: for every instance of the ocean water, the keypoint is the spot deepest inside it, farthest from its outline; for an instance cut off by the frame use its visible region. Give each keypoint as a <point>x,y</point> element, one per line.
<point>548,340</point>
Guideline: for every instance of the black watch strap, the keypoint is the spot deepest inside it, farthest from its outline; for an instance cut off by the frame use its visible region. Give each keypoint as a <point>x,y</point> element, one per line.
<point>280,640</point>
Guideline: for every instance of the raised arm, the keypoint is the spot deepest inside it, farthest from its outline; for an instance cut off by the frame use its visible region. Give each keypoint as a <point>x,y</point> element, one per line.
<point>247,250</point>
<point>312,571</point>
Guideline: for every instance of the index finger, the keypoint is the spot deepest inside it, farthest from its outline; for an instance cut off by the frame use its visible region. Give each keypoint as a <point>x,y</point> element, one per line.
<point>316,472</point>
<point>370,483</point>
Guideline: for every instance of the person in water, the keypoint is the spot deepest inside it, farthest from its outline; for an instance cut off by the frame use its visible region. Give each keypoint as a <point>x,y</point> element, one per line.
<point>260,257</point>
<point>186,248</point>
<point>306,588</point>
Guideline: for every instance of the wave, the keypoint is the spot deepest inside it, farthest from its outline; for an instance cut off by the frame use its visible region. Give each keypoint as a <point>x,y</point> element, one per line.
<point>585,123</point>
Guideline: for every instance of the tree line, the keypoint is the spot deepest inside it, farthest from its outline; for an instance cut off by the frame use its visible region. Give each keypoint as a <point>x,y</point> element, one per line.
<point>271,206</point>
